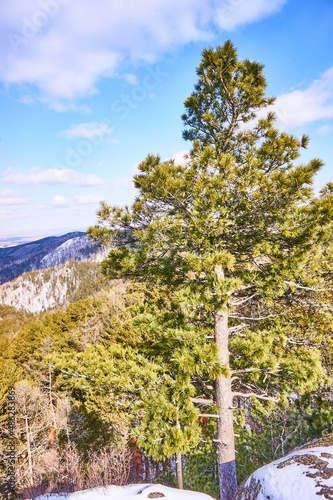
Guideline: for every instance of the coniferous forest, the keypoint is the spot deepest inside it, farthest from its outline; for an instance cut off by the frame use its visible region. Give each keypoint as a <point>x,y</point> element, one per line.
<point>207,351</point>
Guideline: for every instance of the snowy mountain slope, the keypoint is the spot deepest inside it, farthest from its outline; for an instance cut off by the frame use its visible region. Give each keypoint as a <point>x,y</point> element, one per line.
<point>304,474</point>
<point>43,253</point>
<point>46,289</point>
<point>131,492</point>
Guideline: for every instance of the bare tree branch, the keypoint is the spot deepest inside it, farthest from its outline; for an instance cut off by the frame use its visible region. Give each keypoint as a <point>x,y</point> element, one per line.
<point>254,395</point>
<point>203,401</point>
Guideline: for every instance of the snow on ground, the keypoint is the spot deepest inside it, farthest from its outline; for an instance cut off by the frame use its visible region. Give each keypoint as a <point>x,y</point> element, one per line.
<point>131,492</point>
<point>305,474</point>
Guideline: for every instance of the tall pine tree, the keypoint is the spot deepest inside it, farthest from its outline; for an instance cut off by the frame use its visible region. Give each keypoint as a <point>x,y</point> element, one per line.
<point>229,231</point>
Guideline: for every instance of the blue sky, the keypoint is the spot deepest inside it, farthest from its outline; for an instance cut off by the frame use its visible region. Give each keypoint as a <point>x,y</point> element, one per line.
<point>88,89</point>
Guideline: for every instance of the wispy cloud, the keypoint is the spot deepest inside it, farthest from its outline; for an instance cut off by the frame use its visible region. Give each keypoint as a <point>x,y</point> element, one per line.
<point>131,78</point>
<point>63,48</point>
<point>10,197</point>
<point>314,103</point>
<point>234,13</point>
<point>87,200</point>
<point>60,202</point>
<point>14,213</point>
<point>325,129</point>
<point>88,130</point>
<point>57,176</point>
<point>51,177</point>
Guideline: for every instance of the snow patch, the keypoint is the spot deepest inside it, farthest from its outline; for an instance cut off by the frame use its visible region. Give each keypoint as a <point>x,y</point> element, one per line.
<point>78,248</point>
<point>133,491</point>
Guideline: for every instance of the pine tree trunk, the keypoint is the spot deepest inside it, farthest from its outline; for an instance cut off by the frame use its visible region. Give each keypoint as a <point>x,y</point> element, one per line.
<point>179,470</point>
<point>223,395</point>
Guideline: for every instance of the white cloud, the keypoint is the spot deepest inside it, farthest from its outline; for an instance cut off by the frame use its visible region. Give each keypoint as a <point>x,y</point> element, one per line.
<point>132,79</point>
<point>10,197</point>
<point>87,200</point>
<point>88,130</point>
<point>60,107</point>
<point>11,213</point>
<point>62,48</point>
<point>50,176</point>
<point>56,176</point>
<point>304,106</point>
<point>325,129</point>
<point>71,205</point>
<point>123,183</point>
<point>233,13</point>
<point>180,157</point>
<point>59,201</point>
<point>134,169</point>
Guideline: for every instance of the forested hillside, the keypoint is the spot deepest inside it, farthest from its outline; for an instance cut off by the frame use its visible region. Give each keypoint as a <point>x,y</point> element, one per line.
<point>99,383</point>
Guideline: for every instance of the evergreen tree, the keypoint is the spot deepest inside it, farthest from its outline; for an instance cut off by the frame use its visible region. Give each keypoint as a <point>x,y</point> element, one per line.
<point>128,392</point>
<point>230,233</point>
<point>170,424</point>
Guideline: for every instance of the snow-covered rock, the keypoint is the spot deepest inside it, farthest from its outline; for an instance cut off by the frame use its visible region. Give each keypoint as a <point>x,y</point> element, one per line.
<point>304,474</point>
<point>131,492</point>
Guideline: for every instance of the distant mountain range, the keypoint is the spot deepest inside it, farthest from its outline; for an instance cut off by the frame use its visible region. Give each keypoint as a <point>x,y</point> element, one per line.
<point>44,253</point>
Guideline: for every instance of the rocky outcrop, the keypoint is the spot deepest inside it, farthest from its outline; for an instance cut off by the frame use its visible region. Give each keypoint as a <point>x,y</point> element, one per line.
<point>304,474</point>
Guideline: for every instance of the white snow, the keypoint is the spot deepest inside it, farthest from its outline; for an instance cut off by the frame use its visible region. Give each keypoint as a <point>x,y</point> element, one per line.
<point>70,249</point>
<point>36,293</point>
<point>293,481</point>
<point>131,492</point>
<point>44,289</point>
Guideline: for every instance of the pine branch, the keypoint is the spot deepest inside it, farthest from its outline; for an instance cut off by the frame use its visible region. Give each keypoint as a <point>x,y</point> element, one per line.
<point>309,288</point>
<point>254,395</point>
<point>203,401</point>
<point>248,370</point>
<point>237,328</point>
<point>75,374</point>
<point>260,318</point>
<point>208,415</point>
<point>239,302</point>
